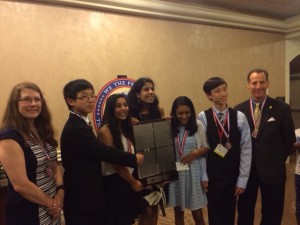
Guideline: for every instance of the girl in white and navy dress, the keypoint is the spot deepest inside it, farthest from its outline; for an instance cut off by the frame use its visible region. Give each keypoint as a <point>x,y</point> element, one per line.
<point>191,145</point>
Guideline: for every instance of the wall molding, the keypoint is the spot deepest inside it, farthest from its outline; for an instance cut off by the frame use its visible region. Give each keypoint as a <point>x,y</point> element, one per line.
<point>187,13</point>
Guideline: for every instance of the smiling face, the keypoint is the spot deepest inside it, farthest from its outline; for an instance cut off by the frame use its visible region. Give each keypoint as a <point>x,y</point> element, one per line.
<point>30,104</point>
<point>219,96</point>
<point>147,93</point>
<point>183,114</point>
<point>258,85</point>
<point>121,109</point>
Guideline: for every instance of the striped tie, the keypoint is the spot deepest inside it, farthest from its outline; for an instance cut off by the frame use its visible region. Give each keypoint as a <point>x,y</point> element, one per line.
<point>221,117</point>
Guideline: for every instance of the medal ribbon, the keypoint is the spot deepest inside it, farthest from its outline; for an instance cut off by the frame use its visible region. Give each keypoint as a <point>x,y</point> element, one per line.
<point>182,143</point>
<point>222,126</point>
<point>44,147</point>
<point>79,116</point>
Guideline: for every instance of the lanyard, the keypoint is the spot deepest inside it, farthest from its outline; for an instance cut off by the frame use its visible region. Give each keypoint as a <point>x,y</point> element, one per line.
<point>222,126</point>
<point>43,146</point>
<point>182,143</point>
<point>80,116</point>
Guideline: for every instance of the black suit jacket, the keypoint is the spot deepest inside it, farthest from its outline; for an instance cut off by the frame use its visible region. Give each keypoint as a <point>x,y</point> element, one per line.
<point>274,141</point>
<point>82,154</point>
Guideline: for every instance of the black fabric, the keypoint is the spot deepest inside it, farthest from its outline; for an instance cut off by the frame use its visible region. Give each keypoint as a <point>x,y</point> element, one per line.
<point>221,204</point>
<point>18,210</point>
<point>272,201</point>
<point>118,194</point>
<point>83,219</point>
<point>274,140</point>
<point>223,170</point>
<point>81,155</point>
<point>270,148</point>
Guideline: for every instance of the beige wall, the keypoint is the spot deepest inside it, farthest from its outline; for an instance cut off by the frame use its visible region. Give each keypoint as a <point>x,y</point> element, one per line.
<point>51,45</point>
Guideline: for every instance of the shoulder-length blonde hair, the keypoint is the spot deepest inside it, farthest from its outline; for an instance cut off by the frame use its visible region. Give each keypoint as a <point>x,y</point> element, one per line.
<point>13,119</point>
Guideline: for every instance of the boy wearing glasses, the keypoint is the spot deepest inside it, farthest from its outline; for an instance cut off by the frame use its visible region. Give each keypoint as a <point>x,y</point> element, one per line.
<point>82,154</point>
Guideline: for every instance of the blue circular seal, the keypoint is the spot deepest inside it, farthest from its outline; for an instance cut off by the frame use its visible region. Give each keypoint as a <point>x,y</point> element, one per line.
<point>119,85</point>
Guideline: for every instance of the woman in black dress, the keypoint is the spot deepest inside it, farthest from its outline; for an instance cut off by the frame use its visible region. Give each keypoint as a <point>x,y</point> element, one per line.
<point>28,156</point>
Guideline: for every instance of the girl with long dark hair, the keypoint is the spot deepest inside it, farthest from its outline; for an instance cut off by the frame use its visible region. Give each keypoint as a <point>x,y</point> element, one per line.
<point>116,130</point>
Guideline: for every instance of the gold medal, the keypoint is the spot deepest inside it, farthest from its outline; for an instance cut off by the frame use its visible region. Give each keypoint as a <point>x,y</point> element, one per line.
<point>254,133</point>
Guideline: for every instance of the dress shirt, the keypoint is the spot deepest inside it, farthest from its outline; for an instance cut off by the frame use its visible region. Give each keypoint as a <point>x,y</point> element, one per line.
<point>245,145</point>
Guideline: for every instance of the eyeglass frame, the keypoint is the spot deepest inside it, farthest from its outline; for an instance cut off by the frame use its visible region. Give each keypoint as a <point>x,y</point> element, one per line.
<point>29,100</point>
<point>87,97</point>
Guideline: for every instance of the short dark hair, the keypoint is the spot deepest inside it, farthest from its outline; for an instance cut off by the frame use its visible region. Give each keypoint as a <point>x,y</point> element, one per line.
<point>257,70</point>
<point>73,87</point>
<point>212,83</point>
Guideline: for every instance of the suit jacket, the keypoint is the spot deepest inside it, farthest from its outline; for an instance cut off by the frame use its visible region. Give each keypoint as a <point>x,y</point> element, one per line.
<point>274,140</point>
<point>82,154</point>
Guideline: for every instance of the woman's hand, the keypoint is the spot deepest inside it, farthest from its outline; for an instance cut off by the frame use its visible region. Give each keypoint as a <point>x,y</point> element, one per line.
<point>134,121</point>
<point>167,117</point>
<point>190,157</point>
<point>137,186</point>
<point>204,185</point>
<point>57,204</point>
<point>54,210</point>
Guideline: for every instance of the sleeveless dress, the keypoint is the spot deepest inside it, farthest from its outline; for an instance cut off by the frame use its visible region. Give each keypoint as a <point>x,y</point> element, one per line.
<point>187,192</point>
<point>18,210</point>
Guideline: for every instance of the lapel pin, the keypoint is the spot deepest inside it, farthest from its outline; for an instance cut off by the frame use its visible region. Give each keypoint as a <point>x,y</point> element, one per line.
<point>270,107</point>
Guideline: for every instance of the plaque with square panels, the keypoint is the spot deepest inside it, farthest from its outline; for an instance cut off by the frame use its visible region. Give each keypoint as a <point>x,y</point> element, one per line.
<point>154,140</point>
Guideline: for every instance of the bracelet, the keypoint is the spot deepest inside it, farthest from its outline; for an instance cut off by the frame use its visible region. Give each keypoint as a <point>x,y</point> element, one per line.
<point>60,187</point>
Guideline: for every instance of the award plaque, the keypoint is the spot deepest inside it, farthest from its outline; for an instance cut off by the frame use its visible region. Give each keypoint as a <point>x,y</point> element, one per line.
<point>154,140</point>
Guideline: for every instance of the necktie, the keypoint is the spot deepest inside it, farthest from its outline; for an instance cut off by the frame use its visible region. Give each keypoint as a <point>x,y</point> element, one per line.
<point>257,112</point>
<point>221,117</point>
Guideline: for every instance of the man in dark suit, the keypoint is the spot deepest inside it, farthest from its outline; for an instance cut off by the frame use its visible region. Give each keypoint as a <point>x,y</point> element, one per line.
<point>82,154</point>
<point>273,137</point>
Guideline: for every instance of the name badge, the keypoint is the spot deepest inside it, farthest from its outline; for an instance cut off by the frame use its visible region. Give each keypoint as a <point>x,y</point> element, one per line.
<point>181,167</point>
<point>221,150</point>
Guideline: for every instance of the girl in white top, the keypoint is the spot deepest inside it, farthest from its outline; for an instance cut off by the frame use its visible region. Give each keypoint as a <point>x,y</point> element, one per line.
<point>116,130</point>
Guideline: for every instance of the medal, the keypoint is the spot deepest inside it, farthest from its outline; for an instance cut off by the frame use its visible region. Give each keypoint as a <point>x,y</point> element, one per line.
<point>48,171</point>
<point>256,121</point>
<point>254,134</point>
<point>228,145</point>
<point>221,129</point>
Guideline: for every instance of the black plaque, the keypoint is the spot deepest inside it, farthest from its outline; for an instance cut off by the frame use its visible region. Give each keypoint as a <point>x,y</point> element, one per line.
<point>154,140</point>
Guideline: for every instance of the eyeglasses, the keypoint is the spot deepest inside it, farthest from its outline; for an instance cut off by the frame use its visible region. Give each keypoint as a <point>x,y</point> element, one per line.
<point>28,100</point>
<point>87,97</point>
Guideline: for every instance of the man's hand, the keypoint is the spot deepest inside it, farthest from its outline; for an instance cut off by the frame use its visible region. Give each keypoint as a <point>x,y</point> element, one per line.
<point>139,159</point>
<point>239,191</point>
